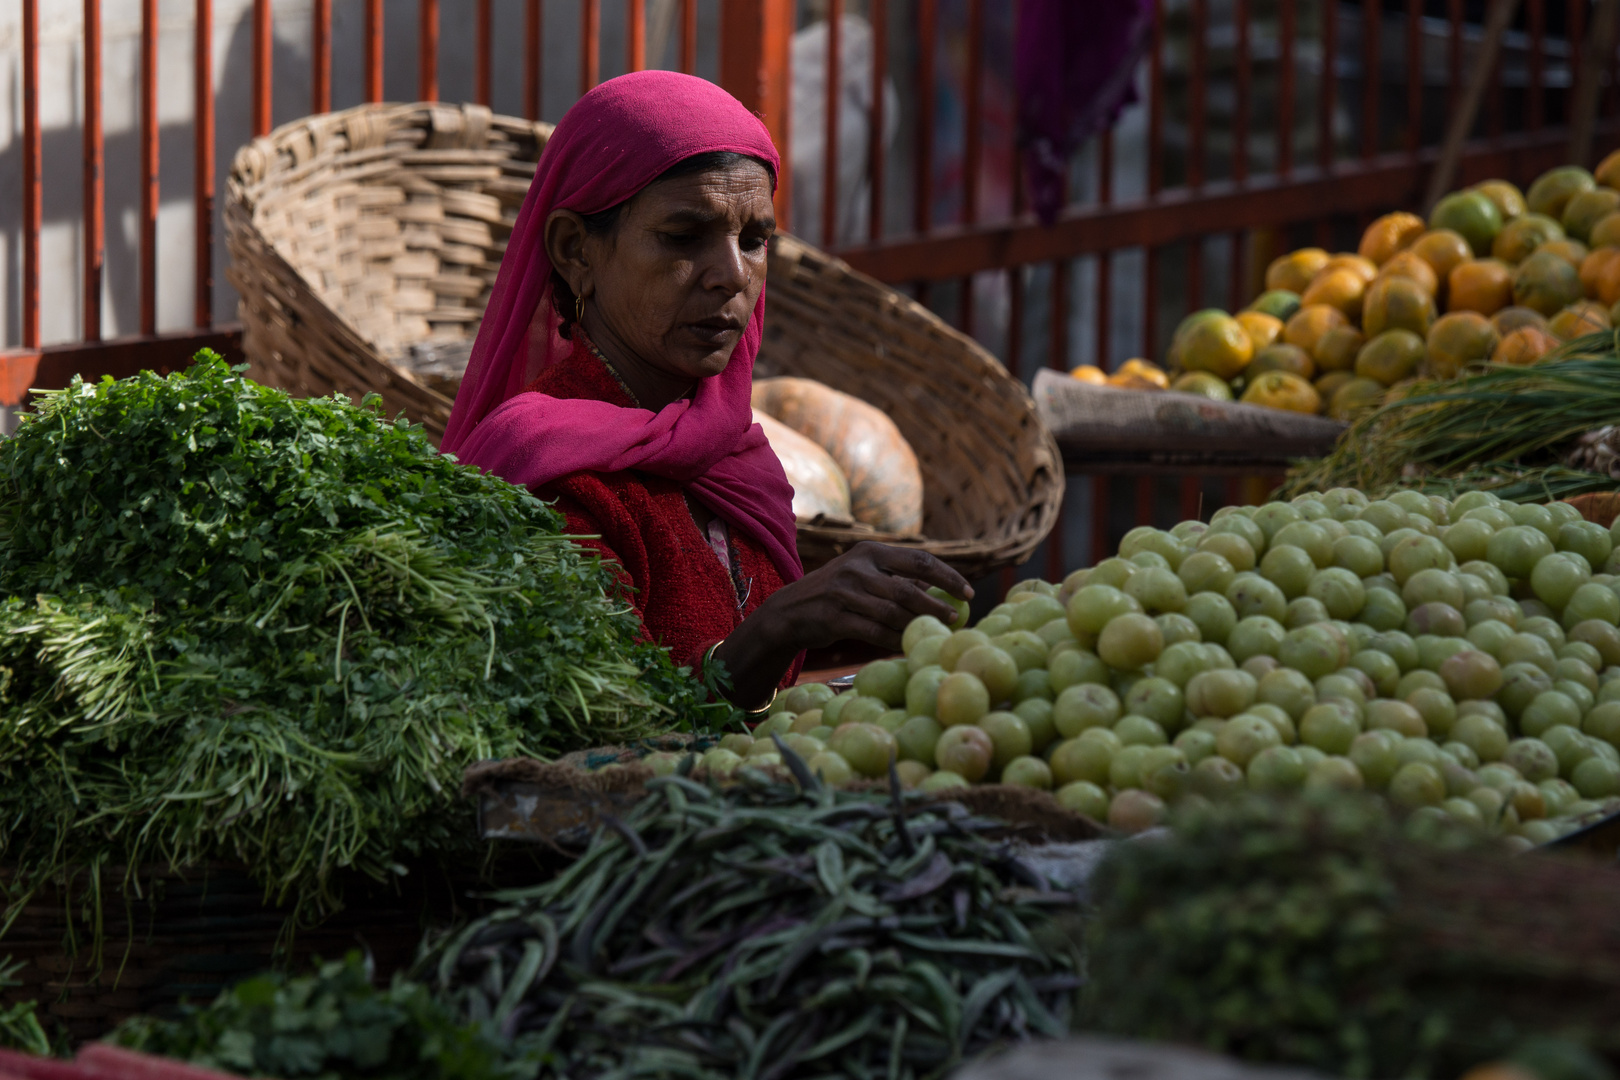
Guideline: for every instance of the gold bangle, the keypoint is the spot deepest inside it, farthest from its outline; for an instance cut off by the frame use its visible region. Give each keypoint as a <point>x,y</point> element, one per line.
<point>761,710</point>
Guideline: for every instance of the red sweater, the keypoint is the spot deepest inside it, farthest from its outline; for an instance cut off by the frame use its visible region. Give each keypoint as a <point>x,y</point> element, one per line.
<point>686,597</point>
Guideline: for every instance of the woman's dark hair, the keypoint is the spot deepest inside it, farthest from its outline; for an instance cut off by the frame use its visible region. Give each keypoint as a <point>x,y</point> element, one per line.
<point>605,222</point>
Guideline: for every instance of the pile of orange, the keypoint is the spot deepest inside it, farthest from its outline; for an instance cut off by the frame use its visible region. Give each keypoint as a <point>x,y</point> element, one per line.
<point>1495,275</point>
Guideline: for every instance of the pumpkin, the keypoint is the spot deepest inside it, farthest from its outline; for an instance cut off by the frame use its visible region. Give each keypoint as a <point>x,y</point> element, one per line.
<point>885,484</point>
<point>820,488</point>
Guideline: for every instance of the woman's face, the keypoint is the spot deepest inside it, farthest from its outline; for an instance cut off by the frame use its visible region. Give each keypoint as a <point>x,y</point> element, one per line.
<point>675,283</point>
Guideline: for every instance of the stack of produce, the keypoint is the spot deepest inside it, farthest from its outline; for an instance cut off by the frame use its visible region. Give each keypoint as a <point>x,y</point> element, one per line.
<point>846,460</point>
<point>772,930</point>
<point>1314,932</point>
<point>239,626</point>
<point>1461,657</point>
<point>1494,276</point>
<point>1528,434</point>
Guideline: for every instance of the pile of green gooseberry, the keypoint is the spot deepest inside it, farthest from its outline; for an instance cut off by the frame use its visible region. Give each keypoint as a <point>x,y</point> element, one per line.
<point>1462,657</point>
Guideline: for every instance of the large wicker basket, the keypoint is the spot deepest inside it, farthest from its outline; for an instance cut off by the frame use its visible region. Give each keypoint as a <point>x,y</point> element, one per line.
<point>364,240</point>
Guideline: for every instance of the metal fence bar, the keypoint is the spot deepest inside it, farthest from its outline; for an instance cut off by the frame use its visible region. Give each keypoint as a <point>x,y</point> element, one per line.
<point>1155,177</point>
<point>1285,80</point>
<point>263,39</point>
<point>427,51</point>
<point>831,99</point>
<point>483,72</point>
<point>32,184</point>
<point>94,180</point>
<point>1538,27</point>
<point>877,12</point>
<point>533,36</point>
<point>636,34</point>
<point>590,32</point>
<point>149,167</point>
<point>1372,23</point>
<point>320,59</point>
<point>927,27</point>
<point>1240,141</point>
<point>1414,75</point>
<point>203,164</point>
<point>972,143</point>
<point>374,51</point>
<point>1454,12</point>
<point>689,36</point>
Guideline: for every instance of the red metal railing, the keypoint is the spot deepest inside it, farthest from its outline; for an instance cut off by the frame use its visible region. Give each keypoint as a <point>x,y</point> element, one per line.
<point>1228,151</point>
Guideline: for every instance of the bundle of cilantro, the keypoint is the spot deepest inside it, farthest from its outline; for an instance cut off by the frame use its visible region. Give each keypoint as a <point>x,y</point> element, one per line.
<point>239,625</point>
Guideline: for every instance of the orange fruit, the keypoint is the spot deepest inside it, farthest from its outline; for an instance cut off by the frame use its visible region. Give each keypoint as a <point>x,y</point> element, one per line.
<point>1336,351</point>
<point>1608,282</point>
<point>1605,231</point>
<point>1363,268</point>
<point>1587,209</point>
<point>1571,251</point>
<point>1327,384</point>
<point>1139,374</point>
<point>1553,189</point>
<point>1262,329</point>
<point>1283,357</point>
<point>1277,302</point>
<point>1405,264</point>
<point>1356,396</point>
<point>1203,384</point>
<point>1592,267</point>
<point>1579,319</point>
<point>1088,373</point>
<point>1523,235</point>
<point>1508,198</point>
<point>1307,325</point>
<point>1396,303</point>
<point>1390,357</point>
<point>1457,340</point>
<point>1525,346</point>
<point>1283,390</point>
<point>1471,214</point>
<point>1443,250</point>
<point>1185,327</point>
<point>1509,319</point>
<point>1341,288</point>
<point>1608,171</point>
<point>1389,234</point>
<point>1546,283</point>
<point>1482,285</point>
<point>1293,271</point>
<point>1218,345</point>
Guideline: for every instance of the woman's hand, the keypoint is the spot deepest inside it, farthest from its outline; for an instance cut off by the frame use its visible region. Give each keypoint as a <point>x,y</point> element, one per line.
<point>870,593</point>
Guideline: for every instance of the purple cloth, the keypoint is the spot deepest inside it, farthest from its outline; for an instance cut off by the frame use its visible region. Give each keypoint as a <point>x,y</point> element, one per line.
<point>1075,71</point>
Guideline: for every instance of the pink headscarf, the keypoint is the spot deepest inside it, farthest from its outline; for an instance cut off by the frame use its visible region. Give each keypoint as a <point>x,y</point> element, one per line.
<point>611,144</point>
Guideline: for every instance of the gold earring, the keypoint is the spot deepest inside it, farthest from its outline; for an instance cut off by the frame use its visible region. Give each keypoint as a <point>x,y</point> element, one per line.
<point>579,309</point>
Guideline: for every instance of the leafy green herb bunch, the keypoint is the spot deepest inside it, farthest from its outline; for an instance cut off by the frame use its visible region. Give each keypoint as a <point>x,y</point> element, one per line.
<point>241,625</point>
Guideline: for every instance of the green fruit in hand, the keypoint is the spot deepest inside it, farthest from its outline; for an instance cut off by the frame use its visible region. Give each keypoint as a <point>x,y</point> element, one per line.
<point>961,606</point>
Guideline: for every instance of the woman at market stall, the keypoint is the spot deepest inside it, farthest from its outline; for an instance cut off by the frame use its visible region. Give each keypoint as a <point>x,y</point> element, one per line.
<point>612,374</point>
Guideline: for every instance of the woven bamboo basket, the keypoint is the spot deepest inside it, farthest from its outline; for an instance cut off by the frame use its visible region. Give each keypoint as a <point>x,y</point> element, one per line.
<point>187,937</point>
<point>364,244</point>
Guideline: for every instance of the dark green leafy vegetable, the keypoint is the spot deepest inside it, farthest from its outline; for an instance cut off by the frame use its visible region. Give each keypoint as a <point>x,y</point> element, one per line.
<point>234,624</point>
<point>768,931</point>
<point>19,1024</point>
<point>330,1025</point>
<point>1320,932</point>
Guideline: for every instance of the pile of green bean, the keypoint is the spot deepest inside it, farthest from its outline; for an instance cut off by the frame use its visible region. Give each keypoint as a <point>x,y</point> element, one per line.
<point>770,930</point>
